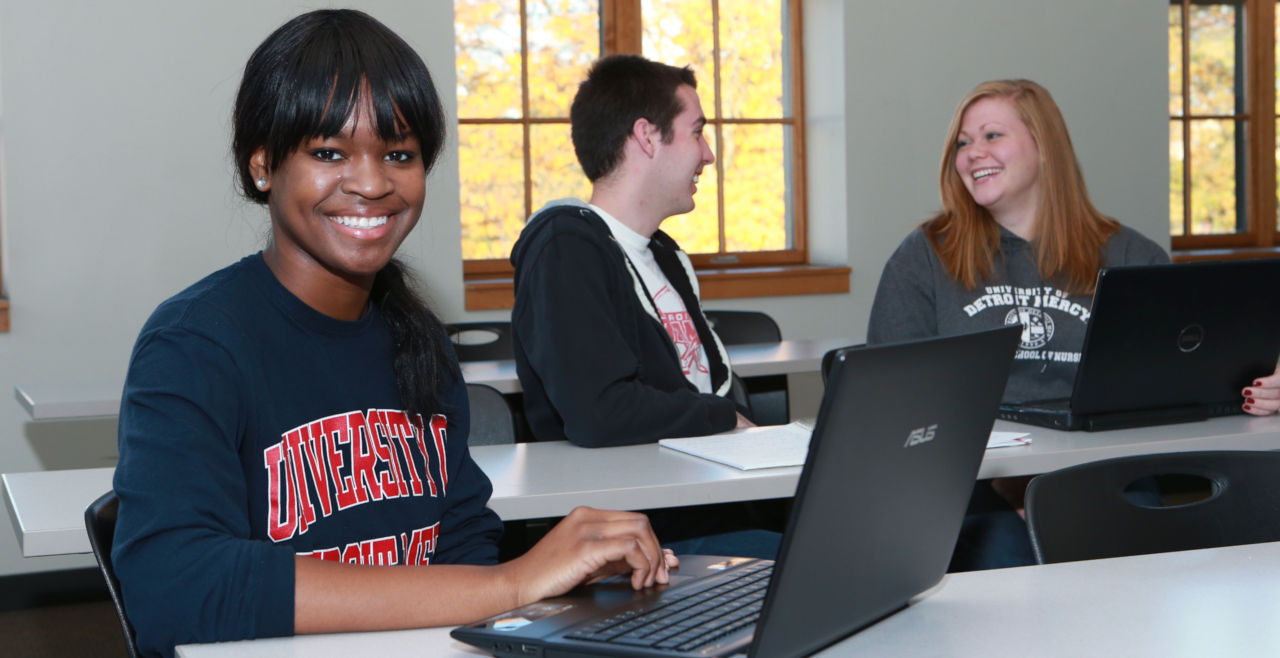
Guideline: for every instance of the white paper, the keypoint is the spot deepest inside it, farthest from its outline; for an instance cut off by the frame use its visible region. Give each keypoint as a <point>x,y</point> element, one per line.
<point>778,446</point>
<point>771,446</point>
<point>1008,439</point>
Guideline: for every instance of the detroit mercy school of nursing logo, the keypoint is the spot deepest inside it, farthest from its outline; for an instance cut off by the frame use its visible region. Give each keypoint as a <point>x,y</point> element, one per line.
<point>1037,326</point>
<point>1034,308</point>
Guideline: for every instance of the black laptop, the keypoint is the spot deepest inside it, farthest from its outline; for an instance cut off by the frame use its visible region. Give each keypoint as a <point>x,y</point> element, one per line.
<point>1168,344</point>
<point>891,464</point>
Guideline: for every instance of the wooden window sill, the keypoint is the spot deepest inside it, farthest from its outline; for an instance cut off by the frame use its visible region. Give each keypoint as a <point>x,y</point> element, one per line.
<point>487,293</point>
<point>1235,253</point>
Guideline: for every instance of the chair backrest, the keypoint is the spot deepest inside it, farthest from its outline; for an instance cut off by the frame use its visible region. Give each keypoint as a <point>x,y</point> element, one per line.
<point>738,393</point>
<point>744,327</point>
<point>768,396</point>
<point>481,341</point>
<point>1119,507</point>
<point>492,422</point>
<point>100,522</point>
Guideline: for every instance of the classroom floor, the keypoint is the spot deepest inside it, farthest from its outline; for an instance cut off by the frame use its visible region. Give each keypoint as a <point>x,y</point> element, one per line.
<point>73,629</point>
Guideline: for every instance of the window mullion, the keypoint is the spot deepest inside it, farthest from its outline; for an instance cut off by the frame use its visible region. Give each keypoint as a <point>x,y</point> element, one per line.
<point>1186,120</point>
<point>620,27</point>
<point>799,229</point>
<point>719,126</point>
<point>527,158</point>
<point>1262,102</point>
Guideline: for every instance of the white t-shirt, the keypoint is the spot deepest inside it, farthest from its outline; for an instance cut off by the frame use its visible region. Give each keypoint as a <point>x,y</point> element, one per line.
<point>671,309</point>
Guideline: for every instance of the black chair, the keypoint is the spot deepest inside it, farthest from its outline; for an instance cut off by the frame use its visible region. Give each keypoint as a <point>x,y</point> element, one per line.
<point>492,420</point>
<point>1154,503</point>
<point>770,404</point>
<point>481,341</point>
<point>100,522</point>
<point>738,393</point>
<point>490,341</point>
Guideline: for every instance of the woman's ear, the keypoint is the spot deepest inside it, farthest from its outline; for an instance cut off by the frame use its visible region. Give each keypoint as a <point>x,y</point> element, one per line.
<point>258,169</point>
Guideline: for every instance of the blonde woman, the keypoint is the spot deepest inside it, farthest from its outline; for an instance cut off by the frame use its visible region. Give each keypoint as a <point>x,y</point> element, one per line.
<point>1017,242</point>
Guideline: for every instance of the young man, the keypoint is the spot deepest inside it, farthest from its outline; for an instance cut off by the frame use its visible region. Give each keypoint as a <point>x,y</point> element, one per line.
<point>611,344</point>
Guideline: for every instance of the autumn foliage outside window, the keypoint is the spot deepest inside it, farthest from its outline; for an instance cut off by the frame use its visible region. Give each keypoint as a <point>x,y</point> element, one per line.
<point>1222,124</point>
<point>519,63</point>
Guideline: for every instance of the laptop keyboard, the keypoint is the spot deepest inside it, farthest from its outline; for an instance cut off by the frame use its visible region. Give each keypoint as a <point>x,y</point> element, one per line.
<point>689,619</point>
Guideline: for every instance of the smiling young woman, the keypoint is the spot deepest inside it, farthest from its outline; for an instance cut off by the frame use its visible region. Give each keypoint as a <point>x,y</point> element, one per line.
<point>341,206</point>
<point>1018,242</point>
<point>1017,235</point>
<point>293,433</point>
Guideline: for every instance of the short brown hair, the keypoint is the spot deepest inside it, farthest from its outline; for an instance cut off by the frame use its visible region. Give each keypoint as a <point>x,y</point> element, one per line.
<point>618,90</point>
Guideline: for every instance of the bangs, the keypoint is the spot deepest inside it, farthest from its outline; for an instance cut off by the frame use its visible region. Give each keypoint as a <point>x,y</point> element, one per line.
<point>321,79</point>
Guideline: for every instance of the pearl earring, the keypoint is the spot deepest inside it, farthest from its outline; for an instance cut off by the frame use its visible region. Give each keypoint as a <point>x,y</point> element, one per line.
<point>262,183</point>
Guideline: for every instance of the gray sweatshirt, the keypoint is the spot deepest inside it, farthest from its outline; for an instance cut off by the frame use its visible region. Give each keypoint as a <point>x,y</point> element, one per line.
<point>916,298</point>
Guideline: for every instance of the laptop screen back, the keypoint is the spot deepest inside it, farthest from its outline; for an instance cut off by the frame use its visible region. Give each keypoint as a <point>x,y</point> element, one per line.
<point>1191,334</point>
<point>891,466</point>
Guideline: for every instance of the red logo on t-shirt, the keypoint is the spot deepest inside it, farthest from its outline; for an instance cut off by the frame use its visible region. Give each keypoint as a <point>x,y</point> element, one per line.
<point>684,334</point>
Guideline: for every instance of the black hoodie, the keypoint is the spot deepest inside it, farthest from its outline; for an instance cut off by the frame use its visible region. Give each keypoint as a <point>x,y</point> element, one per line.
<point>596,365</point>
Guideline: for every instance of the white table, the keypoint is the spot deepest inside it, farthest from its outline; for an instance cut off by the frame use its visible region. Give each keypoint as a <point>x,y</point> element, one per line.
<point>1212,602</point>
<point>1053,449</point>
<point>530,480</point>
<point>47,508</point>
<point>58,402</point>
<point>535,480</point>
<point>63,402</point>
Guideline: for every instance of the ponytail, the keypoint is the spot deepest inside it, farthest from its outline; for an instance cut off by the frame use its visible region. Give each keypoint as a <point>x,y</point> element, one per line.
<point>423,363</point>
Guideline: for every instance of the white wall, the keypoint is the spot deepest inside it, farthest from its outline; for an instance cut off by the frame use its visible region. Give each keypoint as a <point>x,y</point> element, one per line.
<point>118,191</point>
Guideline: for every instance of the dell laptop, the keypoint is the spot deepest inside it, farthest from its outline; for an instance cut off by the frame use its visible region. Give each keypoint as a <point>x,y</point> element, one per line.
<point>1168,344</point>
<point>891,464</point>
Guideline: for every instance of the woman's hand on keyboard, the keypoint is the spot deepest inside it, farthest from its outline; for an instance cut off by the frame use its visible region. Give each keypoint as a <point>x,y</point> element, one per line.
<point>589,544</point>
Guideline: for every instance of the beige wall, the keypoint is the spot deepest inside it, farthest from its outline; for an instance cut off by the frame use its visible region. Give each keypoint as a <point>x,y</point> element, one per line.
<point>117,188</point>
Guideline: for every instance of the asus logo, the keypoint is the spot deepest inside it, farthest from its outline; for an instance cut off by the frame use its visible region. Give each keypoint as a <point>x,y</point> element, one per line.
<point>920,435</point>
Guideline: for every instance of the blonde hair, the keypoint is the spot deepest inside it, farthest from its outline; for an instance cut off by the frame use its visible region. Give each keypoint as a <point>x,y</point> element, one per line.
<point>1069,230</point>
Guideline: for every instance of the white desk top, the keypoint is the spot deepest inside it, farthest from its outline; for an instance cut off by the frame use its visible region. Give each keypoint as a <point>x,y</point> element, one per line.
<point>1053,449</point>
<point>47,402</point>
<point>530,480</point>
<point>50,403</point>
<point>535,480</point>
<point>1213,602</point>
<point>47,508</point>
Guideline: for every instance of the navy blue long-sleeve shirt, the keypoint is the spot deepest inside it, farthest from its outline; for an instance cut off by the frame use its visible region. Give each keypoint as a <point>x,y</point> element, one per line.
<point>253,429</point>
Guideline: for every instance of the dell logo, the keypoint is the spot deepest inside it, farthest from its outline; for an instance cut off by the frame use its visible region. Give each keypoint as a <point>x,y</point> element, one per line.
<point>920,435</point>
<point>1190,337</point>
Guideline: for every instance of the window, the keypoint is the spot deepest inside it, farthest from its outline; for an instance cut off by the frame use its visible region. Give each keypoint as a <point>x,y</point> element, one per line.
<point>1222,127</point>
<point>519,63</point>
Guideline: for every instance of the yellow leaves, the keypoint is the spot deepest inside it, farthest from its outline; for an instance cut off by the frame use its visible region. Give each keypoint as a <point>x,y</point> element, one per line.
<point>563,39</point>
<point>1210,40</point>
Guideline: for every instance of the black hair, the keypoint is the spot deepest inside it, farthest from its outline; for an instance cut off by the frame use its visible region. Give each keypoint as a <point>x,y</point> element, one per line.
<point>618,90</point>
<point>304,81</point>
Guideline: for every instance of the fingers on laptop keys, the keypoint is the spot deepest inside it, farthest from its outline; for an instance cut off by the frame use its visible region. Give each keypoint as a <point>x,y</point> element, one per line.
<point>1263,396</point>
<point>590,544</point>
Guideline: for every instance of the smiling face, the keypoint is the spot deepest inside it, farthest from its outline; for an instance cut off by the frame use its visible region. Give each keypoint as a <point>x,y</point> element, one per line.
<point>340,207</point>
<point>999,163</point>
<point>681,160</point>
